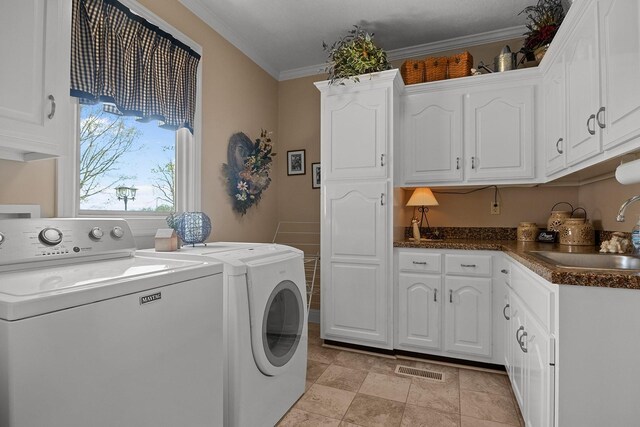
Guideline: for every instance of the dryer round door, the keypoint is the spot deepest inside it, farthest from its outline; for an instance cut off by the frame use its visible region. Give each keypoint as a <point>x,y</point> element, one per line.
<point>282,325</point>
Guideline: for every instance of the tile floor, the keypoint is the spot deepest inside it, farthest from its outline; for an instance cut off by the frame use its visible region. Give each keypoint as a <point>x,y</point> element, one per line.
<point>354,389</point>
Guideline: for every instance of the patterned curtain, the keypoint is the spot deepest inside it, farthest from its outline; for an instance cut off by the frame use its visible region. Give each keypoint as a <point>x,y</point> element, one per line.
<point>131,65</point>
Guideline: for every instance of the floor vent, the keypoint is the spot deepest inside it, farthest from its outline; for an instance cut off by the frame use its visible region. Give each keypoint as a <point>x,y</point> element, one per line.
<point>419,373</point>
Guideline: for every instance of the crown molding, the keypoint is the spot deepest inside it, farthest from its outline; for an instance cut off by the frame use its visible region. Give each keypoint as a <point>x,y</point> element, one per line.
<point>295,73</point>
<point>211,19</point>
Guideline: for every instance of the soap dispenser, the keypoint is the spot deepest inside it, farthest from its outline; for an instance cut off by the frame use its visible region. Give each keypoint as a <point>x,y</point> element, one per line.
<point>635,237</point>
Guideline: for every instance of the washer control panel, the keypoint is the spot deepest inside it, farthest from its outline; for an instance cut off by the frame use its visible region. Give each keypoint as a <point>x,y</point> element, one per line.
<point>32,240</point>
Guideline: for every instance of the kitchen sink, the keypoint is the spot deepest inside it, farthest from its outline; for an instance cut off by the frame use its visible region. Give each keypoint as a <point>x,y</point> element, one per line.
<point>590,261</point>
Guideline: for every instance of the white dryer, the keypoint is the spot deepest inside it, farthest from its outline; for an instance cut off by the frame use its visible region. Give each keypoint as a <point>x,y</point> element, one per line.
<point>266,329</point>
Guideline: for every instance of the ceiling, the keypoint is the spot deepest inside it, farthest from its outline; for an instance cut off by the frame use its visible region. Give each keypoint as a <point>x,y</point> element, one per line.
<point>285,37</point>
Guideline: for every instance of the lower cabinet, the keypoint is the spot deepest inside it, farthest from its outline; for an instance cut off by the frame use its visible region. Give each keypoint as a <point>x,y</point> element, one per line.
<point>530,347</point>
<point>468,315</point>
<point>438,309</point>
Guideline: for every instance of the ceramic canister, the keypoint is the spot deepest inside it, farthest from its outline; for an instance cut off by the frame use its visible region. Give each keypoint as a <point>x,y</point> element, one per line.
<point>557,218</point>
<point>527,232</point>
<point>577,232</point>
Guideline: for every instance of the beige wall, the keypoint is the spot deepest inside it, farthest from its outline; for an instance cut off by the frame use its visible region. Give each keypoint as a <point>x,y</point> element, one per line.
<point>237,96</point>
<point>29,184</point>
<point>603,199</point>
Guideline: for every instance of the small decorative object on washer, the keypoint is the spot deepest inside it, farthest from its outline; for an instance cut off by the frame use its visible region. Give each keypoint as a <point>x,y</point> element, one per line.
<point>166,240</point>
<point>527,232</point>
<point>557,218</point>
<point>192,227</point>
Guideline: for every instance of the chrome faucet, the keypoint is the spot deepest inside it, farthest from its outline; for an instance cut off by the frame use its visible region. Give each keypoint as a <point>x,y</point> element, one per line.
<point>625,205</point>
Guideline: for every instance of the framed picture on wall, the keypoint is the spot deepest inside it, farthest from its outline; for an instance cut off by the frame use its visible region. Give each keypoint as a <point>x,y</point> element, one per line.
<point>296,162</point>
<point>315,175</point>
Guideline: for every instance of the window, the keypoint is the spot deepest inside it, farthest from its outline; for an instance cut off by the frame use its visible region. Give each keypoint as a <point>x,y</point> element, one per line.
<point>161,165</point>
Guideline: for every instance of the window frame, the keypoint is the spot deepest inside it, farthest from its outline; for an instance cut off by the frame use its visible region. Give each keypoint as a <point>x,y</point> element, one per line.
<point>188,150</point>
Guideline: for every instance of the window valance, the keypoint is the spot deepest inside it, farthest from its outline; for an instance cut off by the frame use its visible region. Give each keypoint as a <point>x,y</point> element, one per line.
<point>119,58</point>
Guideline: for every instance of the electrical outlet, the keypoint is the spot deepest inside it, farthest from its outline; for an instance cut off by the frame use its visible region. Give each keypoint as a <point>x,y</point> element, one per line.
<point>495,208</point>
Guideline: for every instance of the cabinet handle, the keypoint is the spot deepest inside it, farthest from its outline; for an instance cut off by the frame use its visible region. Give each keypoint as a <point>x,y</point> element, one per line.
<point>457,163</point>
<point>504,312</point>
<point>601,123</point>
<point>53,107</point>
<point>521,342</point>
<point>504,271</point>
<point>420,262</point>
<point>520,329</point>
<point>451,296</point>
<point>381,199</point>
<point>591,117</point>
<point>381,159</point>
<point>558,146</point>
<point>435,295</point>
<point>468,265</point>
<point>473,162</point>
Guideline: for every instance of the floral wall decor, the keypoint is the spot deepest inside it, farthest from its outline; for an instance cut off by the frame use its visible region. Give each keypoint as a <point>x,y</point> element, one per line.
<point>247,169</point>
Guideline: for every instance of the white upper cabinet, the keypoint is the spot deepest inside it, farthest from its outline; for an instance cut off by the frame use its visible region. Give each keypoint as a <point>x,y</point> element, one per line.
<point>35,109</point>
<point>555,139</point>
<point>432,148</point>
<point>620,65</point>
<point>583,89</point>
<point>499,134</point>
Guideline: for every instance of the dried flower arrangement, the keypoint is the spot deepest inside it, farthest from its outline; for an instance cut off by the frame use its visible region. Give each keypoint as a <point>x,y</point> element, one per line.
<point>544,18</point>
<point>354,54</point>
<point>248,168</point>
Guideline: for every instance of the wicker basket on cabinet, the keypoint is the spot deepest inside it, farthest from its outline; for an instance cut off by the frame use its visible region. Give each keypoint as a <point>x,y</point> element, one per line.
<point>412,71</point>
<point>460,65</point>
<point>435,68</point>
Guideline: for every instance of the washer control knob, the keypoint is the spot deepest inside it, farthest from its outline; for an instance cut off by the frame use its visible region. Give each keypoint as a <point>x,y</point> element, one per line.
<point>117,232</point>
<point>96,233</point>
<point>50,236</point>
<point>1,238</point>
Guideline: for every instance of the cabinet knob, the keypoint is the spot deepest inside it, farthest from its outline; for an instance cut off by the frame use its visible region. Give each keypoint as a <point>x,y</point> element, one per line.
<point>601,123</point>
<point>558,146</point>
<point>591,131</point>
<point>52,112</point>
<point>504,271</point>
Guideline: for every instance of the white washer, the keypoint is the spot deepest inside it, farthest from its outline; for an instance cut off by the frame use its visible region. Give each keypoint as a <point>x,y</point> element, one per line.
<point>266,328</point>
<point>92,334</point>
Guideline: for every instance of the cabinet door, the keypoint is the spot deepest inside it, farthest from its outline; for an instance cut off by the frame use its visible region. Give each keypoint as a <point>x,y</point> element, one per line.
<point>419,300</point>
<point>468,315</point>
<point>356,301</point>
<point>432,148</point>
<point>354,132</point>
<point>517,356</point>
<point>539,375</point>
<point>35,44</point>
<point>620,65</point>
<point>582,89</point>
<point>499,134</point>
<point>554,118</point>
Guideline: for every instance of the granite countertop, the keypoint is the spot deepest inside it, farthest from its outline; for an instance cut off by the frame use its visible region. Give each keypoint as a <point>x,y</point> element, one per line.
<point>558,275</point>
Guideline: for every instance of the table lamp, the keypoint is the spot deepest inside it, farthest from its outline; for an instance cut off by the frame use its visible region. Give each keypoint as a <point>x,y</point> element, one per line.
<point>422,198</point>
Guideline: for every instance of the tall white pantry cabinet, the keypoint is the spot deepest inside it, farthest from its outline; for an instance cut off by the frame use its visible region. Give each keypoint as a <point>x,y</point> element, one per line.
<point>358,127</point>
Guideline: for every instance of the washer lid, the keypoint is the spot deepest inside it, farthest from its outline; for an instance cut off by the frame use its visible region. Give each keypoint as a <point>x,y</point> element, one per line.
<point>26,293</point>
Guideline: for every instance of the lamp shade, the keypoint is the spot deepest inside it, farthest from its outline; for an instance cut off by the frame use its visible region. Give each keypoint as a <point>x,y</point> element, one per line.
<point>422,197</point>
